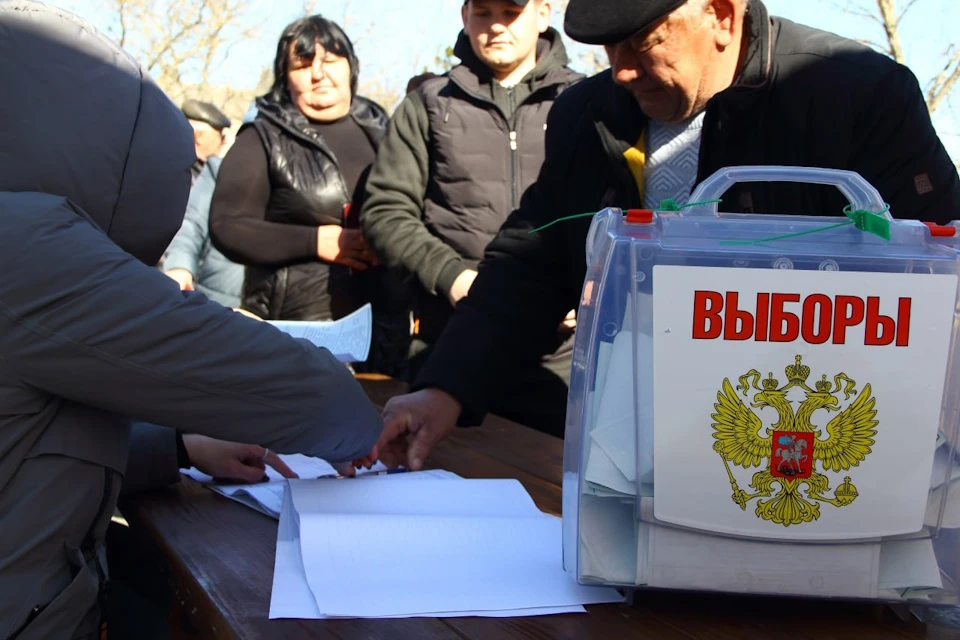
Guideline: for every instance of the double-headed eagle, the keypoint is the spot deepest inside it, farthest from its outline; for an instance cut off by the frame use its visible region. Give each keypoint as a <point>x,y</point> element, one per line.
<point>793,445</point>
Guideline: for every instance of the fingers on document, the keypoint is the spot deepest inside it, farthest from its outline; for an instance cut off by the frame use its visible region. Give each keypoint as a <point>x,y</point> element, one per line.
<point>279,465</point>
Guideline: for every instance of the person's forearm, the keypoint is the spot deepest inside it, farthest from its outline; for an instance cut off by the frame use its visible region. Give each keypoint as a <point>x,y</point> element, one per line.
<point>249,241</point>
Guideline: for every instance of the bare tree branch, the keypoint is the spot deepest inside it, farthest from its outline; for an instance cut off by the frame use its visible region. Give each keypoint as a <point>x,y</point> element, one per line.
<point>941,86</point>
<point>874,45</point>
<point>888,16</point>
<point>909,6</point>
<point>891,25</point>
<point>855,10</point>
<point>182,44</point>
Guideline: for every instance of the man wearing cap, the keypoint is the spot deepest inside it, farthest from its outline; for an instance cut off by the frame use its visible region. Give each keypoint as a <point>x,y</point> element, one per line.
<point>460,151</point>
<point>208,124</point>
<point>693,87</point>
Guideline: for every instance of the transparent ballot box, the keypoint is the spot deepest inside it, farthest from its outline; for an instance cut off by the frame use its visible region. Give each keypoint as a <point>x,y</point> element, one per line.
<point>766,404</point>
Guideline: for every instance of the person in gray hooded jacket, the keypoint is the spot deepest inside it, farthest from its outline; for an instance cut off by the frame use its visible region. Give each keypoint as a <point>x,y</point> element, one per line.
<point>92,336</point>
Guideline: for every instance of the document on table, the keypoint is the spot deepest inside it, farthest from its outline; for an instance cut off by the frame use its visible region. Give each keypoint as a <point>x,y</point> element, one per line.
<point>436,547</point>
<point>267,497</point>
<point>348,338</point>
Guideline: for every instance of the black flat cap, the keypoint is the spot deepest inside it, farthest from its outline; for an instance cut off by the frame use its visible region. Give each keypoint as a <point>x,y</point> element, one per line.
<point>205,112</point>
<point>610,21</point>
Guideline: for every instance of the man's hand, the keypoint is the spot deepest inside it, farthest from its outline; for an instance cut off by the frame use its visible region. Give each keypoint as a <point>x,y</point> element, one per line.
<point>569,324</point>
<point>240,462</point>
<point>344,246</point>
<point>413,424</point>
<point>461,286</point>
<point>182,277</point>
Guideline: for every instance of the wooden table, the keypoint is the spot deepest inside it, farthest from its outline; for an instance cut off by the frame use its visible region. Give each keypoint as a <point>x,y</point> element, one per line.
<point>217,559</point>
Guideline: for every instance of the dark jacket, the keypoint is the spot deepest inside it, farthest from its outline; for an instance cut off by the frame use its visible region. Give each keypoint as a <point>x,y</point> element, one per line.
<point>803,97</point>
<point>306,188</point>
<point>458,154</point>
<point>92,334</point>
<point>213,274</point>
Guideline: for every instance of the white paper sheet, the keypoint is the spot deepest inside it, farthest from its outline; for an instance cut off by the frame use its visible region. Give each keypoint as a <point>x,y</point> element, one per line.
<point>941,460</point>
<point>471,546</point>
<point>291,596</point>
<point>615,430</point>
<point>679,558</point>
<point>348,338</point>
<point>267,497</point>
<point>608,544</point>
<point>604,475</point>
<point>909,564</point>
<point>951,511</point>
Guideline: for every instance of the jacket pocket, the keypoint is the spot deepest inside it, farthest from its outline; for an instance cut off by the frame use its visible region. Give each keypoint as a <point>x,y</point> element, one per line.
<point>68,609</point>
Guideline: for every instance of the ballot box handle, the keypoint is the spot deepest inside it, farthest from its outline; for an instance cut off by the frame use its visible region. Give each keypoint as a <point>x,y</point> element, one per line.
<point>860,193</point>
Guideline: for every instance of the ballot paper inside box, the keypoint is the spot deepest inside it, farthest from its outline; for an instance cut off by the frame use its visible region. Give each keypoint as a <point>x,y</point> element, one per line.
<point>766,403</point>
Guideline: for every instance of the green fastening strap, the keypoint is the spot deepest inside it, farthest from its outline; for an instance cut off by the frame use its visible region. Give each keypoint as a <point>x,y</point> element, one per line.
<point>867,221</point>
<point>665,205</point>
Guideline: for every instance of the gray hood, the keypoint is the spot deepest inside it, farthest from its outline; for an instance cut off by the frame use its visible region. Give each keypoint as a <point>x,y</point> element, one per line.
<point>80,119</point>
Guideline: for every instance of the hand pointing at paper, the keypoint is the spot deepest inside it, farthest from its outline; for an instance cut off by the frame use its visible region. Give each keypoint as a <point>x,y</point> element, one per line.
<point>413,424</point>
<point>232,460</point>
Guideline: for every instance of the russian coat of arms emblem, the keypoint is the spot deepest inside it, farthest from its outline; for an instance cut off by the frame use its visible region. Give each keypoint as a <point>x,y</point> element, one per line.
<point>788,487</point>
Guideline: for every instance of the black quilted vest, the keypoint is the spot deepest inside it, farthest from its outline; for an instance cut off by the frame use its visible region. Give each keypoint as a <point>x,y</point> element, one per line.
<point>306,188</point>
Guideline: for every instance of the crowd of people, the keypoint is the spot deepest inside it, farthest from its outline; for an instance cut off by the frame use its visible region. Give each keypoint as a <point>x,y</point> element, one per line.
<point>113,376</point>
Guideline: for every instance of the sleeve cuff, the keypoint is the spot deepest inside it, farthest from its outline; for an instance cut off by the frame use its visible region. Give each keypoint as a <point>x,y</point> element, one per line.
<point>183,458</point>
<point>472,413</point>
<point>179,260</point>
<point>448,276</point>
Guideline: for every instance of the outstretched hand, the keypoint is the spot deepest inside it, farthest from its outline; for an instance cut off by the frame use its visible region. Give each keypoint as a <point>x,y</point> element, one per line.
<point>413,424</point>
<point>243,463</point>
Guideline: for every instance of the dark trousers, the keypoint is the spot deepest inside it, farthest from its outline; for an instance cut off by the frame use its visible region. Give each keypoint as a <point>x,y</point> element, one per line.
<point>534,396</point>
<point>137,601</point>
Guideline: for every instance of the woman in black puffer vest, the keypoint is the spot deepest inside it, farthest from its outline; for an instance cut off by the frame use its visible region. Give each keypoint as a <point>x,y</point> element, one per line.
<point>286,189</point>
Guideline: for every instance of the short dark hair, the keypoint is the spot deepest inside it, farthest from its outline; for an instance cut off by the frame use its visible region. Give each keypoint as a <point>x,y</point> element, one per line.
<point>303,35</point>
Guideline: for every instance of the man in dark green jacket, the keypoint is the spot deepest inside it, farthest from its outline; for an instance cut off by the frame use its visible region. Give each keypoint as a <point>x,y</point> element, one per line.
<point>460,151</point>
<point>769,92</point>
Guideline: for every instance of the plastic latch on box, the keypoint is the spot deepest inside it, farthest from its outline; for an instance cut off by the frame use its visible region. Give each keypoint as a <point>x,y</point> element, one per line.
<point>639,216</point>
<point>940,230</point>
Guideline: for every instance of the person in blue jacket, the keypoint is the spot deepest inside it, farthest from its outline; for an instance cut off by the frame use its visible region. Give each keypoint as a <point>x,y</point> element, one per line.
<point>192,260</point>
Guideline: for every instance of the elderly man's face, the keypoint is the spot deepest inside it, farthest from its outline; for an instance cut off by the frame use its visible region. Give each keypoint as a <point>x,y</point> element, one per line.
<point>667,68</point>
<point>207,141</point>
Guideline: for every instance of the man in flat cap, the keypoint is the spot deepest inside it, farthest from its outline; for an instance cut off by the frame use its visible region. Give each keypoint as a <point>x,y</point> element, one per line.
<point>209,124</point>
<point>693,87</point>
<point>460,151</point>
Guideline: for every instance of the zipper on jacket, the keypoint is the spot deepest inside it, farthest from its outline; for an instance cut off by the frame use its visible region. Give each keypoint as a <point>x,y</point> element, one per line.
<point>511,98</point>
<point>513,170</point>
<point>36,611</point>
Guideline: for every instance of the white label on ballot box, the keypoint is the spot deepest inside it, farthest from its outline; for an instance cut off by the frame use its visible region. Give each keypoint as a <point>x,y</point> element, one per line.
<point>797,405</point>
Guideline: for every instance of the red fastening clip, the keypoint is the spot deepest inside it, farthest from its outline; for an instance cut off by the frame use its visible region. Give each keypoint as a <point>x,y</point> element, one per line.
<point>941,230</point>
<point>639,216</point>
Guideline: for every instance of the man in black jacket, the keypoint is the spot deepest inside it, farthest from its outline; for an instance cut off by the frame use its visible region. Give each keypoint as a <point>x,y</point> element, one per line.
<point>768,91</point>
<point>459,152</point>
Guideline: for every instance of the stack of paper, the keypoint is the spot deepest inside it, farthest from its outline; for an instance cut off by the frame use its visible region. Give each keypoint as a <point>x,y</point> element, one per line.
<point>267,497</point>
<point>348,339</point>
<point>407,545</point>
<point>612,462</point>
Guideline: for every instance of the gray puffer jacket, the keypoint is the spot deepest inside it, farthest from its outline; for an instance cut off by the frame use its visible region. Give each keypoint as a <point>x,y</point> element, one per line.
<point>94,177</point>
